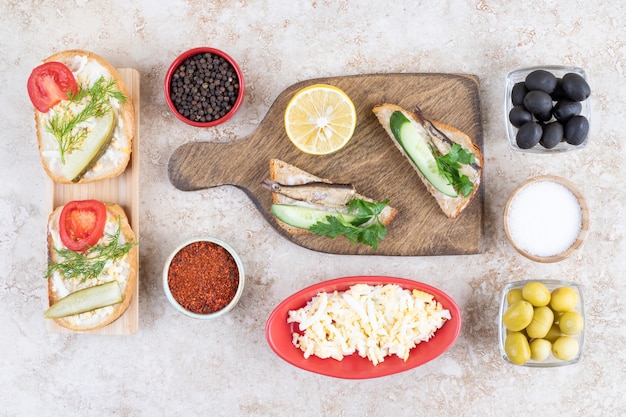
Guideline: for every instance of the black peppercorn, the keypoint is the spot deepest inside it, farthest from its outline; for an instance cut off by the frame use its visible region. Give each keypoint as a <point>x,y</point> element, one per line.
<point>204,87</point>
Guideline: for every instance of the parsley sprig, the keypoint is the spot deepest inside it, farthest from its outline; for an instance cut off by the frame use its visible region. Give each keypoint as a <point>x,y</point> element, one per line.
<point>366,228</point>
<point>89,264</point>
<point>450,164</point>
<point>63,124</point>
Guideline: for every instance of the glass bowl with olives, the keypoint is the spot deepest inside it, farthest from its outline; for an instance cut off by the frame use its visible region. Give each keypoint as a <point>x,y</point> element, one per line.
<point>204,87</point>
<point>542,323</point>
<point>547,109</point>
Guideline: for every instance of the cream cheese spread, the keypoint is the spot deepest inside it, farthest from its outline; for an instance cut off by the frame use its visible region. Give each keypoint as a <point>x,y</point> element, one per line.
<point>114,270</point>
<point>86,71</point>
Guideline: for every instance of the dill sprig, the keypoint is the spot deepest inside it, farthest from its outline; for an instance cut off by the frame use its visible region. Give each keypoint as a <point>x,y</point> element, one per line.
<point>89,264</point>
<point>64,122</point>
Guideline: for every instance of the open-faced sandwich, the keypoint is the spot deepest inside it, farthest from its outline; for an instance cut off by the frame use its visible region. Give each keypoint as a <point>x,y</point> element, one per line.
<point>304,203</point>
<point>84,117</point>
<point>447,161</point>
<point>92,264</point>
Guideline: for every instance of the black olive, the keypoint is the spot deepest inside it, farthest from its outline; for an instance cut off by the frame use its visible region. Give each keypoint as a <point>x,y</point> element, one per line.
<point>518,92</point>
<point>543,117</point>
<point>538,102</point>
<point>576,130</point>
<point>564,109</point>
<point>552,135</point>
<point>528,135</point>
<point>558,92</point>
<point>575,87</point>
<point>541,80</point>
<point>519,115</point>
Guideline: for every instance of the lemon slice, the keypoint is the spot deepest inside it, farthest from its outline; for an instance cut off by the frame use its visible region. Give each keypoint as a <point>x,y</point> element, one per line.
<point>320,119</point>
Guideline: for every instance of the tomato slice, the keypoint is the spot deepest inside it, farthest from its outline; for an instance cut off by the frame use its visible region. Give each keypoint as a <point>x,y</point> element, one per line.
<point>81,224</point>
<point>50,83</point>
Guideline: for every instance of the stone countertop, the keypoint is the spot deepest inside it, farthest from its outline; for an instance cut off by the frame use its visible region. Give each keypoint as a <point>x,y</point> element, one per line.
<point>176,366</point>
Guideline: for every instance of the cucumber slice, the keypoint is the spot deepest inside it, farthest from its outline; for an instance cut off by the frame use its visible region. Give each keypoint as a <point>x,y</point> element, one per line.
<point>81,160</point>
<point>85,300</point>
<point>304,217</point>
<point>414,140</point>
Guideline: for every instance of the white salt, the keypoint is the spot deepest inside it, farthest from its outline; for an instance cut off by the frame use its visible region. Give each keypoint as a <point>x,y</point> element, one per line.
<point>544,218</point>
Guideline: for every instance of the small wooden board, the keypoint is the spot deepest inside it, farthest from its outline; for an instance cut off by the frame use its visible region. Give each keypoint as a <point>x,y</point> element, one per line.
<point>370,161</point>
<point>123,190</point>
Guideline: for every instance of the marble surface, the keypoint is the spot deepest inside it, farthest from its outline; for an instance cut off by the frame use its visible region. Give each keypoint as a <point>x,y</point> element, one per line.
<point>177,366</point>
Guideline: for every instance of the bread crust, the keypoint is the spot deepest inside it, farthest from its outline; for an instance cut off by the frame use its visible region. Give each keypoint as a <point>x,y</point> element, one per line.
<point>451,206</point>
<point>125,114</point>
<point>285,173</point>
<point>131,281</point>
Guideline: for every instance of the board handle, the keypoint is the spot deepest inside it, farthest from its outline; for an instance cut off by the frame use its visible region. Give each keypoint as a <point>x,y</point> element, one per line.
<point>201,165</point>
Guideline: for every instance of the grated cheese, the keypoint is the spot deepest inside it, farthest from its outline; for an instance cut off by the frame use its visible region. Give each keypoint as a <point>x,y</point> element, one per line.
<point>371,321</point>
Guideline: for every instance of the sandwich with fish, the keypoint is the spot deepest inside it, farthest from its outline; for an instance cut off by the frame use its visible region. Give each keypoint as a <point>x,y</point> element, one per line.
<point>307,204</point>
<point>84,117</point>
<point>447,161</point>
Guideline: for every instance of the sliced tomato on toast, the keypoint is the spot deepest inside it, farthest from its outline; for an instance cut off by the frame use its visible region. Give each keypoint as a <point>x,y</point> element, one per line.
<point>81,224</point>
<point>50,83</point>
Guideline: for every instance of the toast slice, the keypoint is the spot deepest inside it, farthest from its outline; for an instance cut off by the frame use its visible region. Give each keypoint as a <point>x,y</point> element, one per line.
<point>442,137</point>
<point>115,156</point>
<point>60,286</point>
<point>287,174</point>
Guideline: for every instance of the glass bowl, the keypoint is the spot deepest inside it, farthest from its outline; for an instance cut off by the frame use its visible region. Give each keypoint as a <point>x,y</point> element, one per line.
<point>550,361</point>
<point>519,75</point>
<point>226,88</point>
<point>540,224</point>
<point>203,278</point>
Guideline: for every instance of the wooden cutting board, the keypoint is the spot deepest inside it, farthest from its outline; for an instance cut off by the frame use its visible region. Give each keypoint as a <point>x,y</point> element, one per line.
<point>370,161</point>
<point>123,190</point>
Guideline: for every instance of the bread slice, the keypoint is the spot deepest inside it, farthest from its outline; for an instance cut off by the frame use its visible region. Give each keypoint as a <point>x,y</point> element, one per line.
<point>87,68</point>
<point>451,206</point>
<point>287,174</point>
<point>59,286</point>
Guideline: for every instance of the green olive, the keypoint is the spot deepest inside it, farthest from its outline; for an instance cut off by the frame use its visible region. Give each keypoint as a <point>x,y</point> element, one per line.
<point>564,299</point>
<point>518,316</point>
<point>571,323</point>
<point>540,349</point>
<point>557,315</point>
<point>542,320</point>
<point>565,348</point>
<point>536,293</point>
<point>517,348</point>
<point>514,295</point>
<point>554,333</point>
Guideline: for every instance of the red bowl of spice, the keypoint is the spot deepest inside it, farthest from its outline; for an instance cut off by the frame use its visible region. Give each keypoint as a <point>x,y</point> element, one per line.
<point>203,278</point>
<point>204,87</point>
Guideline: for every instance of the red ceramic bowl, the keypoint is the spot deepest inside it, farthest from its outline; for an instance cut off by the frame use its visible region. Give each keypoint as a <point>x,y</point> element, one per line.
<point>188,54</point>
<point>279,333</point>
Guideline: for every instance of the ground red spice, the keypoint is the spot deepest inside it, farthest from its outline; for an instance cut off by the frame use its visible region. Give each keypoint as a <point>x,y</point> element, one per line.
<point>203,277</point>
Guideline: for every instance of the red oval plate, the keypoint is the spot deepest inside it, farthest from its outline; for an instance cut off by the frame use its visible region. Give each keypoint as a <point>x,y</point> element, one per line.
<point>279,333</point>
